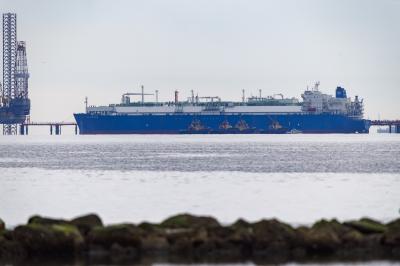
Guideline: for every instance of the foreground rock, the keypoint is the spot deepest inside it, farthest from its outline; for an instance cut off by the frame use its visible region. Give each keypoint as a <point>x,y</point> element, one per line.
<point>87,222</point>
<point>189,221</point>
<point>200,238</point>
<point>391,236</point>
<point>2,226</point>
<point>329,236</point>
<point>52,239</point>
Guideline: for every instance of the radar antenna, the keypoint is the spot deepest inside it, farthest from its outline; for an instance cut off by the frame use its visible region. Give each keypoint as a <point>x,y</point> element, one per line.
<point>316,86</point>
<point>86,103</point>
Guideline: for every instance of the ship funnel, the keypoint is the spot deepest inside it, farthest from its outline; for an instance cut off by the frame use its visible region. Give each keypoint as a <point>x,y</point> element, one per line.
<point>341,92</point>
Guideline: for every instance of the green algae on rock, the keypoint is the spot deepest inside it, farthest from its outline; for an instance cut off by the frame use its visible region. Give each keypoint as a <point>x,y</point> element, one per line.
<point>36,219</point>
<point>367,226</point>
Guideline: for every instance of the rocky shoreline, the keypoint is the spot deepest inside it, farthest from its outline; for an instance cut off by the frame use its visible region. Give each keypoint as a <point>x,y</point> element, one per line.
<point>189,238</point>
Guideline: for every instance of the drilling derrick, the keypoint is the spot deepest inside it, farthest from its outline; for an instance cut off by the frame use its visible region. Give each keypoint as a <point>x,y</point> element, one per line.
<point>21,72</point>
<point>9,54</point>
<point>14,101</point>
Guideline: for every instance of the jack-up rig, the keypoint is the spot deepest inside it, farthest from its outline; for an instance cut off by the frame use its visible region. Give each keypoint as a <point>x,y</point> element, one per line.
<point>14,101</point>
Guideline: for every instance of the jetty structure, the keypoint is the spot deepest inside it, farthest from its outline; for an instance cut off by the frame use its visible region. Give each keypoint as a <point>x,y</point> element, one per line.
<point>393,125</point>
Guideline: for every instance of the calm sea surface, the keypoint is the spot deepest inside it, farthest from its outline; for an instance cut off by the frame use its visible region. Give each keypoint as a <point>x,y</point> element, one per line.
<point>296,178</point>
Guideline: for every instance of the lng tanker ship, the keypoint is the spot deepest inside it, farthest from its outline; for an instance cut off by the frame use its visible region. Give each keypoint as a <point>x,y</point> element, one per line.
<point>316,113</point>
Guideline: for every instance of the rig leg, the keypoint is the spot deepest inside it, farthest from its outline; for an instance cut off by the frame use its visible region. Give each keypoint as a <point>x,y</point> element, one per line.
<point>390,129</point>
<point>57,129</point>
<point>21,130</point>
<point>10,129</point>
<point>397,127</point>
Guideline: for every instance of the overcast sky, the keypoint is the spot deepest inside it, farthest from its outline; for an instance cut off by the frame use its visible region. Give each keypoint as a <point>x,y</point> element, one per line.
<point>102,49</point>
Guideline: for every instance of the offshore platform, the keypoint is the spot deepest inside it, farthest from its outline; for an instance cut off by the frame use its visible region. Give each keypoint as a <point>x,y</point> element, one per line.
<point>14,100</point>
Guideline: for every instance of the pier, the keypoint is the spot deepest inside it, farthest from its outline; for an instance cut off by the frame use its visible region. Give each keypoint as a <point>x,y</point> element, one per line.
<point>55,127</point>
<point>394,125</point>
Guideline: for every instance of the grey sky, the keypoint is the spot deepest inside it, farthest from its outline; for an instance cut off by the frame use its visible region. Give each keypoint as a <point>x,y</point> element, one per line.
<point>101,49</point>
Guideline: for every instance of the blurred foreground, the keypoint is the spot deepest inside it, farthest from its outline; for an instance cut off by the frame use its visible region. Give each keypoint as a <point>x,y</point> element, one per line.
<point>186,238</point>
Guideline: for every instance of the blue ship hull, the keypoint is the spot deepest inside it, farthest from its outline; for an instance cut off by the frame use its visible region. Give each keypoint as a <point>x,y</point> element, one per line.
<point>181,123</point>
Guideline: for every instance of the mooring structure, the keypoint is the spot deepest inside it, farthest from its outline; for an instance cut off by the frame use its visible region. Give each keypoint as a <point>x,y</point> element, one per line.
<point>394,125</point>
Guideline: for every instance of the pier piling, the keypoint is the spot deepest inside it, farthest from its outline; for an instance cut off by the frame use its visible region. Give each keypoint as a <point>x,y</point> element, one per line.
<point>58,129</point>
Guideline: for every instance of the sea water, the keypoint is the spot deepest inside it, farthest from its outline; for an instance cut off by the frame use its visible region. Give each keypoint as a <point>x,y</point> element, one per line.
<point>133,178</point>
<point>295,178</point>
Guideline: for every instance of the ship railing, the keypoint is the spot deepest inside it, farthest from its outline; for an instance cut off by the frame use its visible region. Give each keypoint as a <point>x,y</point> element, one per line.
<point>178,109</point>
<point>213,108</point>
